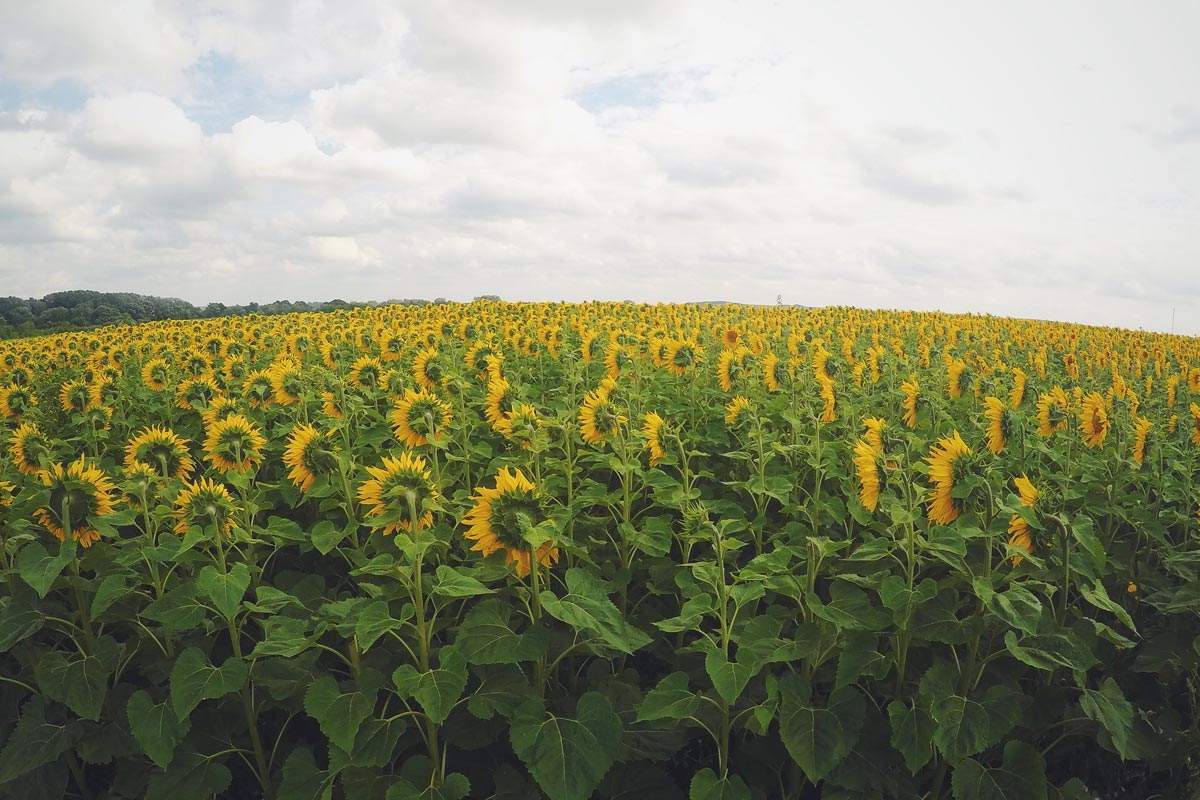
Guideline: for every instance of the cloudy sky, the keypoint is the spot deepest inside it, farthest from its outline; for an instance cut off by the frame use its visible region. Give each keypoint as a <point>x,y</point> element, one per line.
<point>1027,158</point>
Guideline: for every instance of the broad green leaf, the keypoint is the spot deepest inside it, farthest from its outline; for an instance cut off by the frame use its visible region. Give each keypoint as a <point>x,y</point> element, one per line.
<point>1109,707</point>
<point>669,700</point>
<point>502,691</point>
<point>39,568</point>
<point>451,583</point>
<point>111,589</point>
<point>818,738</point>
<point>707,786</point>
<point>454,787</point>
<point>438,689</point>
<point>190,777</point>
<point>912,733</point>
<point>1021,776</point>
<point>33,742</point>
<point>339,714</point>
<point>374,621</point>
<point>155,727</point>
<point>326,536</point>
<point>284,529</point>
<point>848,608</point>
<point>302,779</point>
<point>1083,532</point>
<point>486,638</point>
<point>269,600</point>
<point>1098,596</point>
<point>375,743</point>
<point>902,601</point>
<point>965,726</point>
<point>858,658</point>
<point>1018,607</point>
<point>586,608</point>
<point>17,623</point>
<point>179,608</point>
<point>225,590</point>
<point>81,683</point>
<point>1050,651</point>
<point>567,756</point>
<point>285,636</point>
<point>194,679</point>
<point>730,677</point>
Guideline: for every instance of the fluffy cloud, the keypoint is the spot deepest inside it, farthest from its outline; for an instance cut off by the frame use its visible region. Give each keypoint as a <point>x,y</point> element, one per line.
<point>233,151</point>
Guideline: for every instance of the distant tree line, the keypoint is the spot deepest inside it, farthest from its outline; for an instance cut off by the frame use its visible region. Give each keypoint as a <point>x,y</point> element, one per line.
<point>78,309</point>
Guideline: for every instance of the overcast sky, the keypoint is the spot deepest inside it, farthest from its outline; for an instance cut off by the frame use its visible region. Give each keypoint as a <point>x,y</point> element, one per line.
<point>1030,159</point>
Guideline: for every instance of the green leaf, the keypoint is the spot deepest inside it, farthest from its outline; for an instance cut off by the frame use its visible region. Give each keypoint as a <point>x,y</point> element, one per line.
<point>966,726</point>
<point>194,679</point>
<point>486,638</point>
<point>302,779</point>
<point>40,569</point>
<point>1022,776</point>
<point>454,787</point>
<point>178,608</point>
<point>567,757</point>
<point>902,601</point>
<point>338,714</point>
<point>848,608</point>
<point>190,777</point>
<point>81,683</point>
<point>859,657</point>
<point>284,529</point>
<point>326,536</point>
<point>33,742</point>
<point>375,743</point>
<point>374,621</point>
<point>707,786</point>
<point>18,622</point>
<point>111,589</point>
<point>1109,707</point>
<point>1084,533</point>
<point>912,733</point>
<point>1019,607</point>
<point>586,608</point>
<point>451,583</point>
<point>502,691</point>
<point>669,700</point>
<point>1050,651</point>
<point>155,727</point>
<point>225,590</point>
<point>285,636</point>
<point>730,677</point>
<point>1098,596</point>
<point>818,738</point>
<point>438,689</point>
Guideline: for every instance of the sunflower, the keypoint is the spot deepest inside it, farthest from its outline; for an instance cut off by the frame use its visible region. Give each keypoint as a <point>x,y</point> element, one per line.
<point>258,388</point>
<point>734,411</point>
<point>8,491</point>
<point>162,450</point>
<point>598,416</point>
<point>1172,386</point>
<point>498,402</point>
<point>774,372</point>
<point>683,356</point>
<point>73,396</point>
<point>194,394</point>
<point>366,372</point>
<point>221,407</point>
<point>866,464</point>
<point>139,481</point>
<point>476,357</point>
<point>287,382</point>
<point>419,417</point>
<point>1000,424</point>
<point>1018,528</point>
<point>427,369</point>
<point>204,503</point>
<point>616,358</point>
<point>957,377</point>
<point>652,427</point>
<point>730,366</point>
<point>155,374</point>
<point>1053,408</point>
<point>943,508</point>
<point>874,432</point>
<point>1141,429</point>
<point>310,454</point>
<point>911,391</point>
<point>828,411</point>
<point>234,444</point>
<point>104,391</point>
<point>730,339</point>
<point>28,448</point>
<point>15,401</point>
<point>331,406</point>
<point>1195,412</point>
<point>78,495</point>
<point>1017,395</point>
<point>1093,422</point>
<point>501,517</point>
<point>520,425</point>
<point>399,491</point>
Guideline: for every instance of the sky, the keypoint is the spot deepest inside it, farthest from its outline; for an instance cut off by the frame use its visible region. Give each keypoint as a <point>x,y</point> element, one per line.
<point>1026,159</point>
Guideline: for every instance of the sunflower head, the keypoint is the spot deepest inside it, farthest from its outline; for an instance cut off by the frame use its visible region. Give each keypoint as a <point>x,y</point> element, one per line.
<point>16,400</point>
<point>521,425</point>
<point>912,393</point>
<point>74,396</point>
<point>366,373</point>
<point>654,429</point>
<point>419,417</point>
<point>205,503</point>
<point>947,466</point>
<point>78,494</point>
<point>311,454</point>
<point>234,444</point>
<point>30,448</point>
<point>1053,409</point>
<point>1141,430</point>
<point>738,413</point>
<point>287,382</point>
<point>427,369</point>
<point>599,418</point>
<point>139,481</point>
<point>507,518</point>
<point>683,356</point>
<point>398,494</point>
<point>258,388</point>
<point>162,450</point>
<point>1000,423</point>
<point>1093,422</point>
<point>870,473</point>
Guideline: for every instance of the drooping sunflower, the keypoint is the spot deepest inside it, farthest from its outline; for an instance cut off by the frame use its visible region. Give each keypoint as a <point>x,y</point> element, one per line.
<point>162,450</point>
<point>652,427</point>
<point>287,381</point>
<point>599,418</point>
<point>155,374</point>
<point>949,450</point>
<point>419,417</point>
<point>139,481</point>
<point>1018,528</point>
<point>427,368</point>
<point>500,518</point>
<point>737,411</point>
<point>1195,412</point>
<point>829,409</point>
<point>365,373</point>
<point>774,372</point>
<point>1053,412</point>
<point>311,454</point>
<point>73,396</point>
<point>234,444</point>
<point>331,406</point>
<point>1017,395</point>
<point>78,495</point>
<point>15,401</point>
<point>520,425</point>
<point>874,432</point>
<point>866,464</point>
<point>1000,424</point>
<point>399,491</point>
<point>911,391</point>
<point>205,503</point>
<point>498,402</point>
<point>104,391</point>
<point>259,389</point>
<point>194,394</point>
<point>1141,429</point>
<point>957,377</point>
<point>683,356</point>
<point>730,366</point>
<point>476,357</point>
<point>1093,421</point>
<point>222,406</point>
<point>29,447</point>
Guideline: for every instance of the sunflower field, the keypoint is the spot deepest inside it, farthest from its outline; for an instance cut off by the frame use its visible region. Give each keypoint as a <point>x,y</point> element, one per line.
<point>501,550</point>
